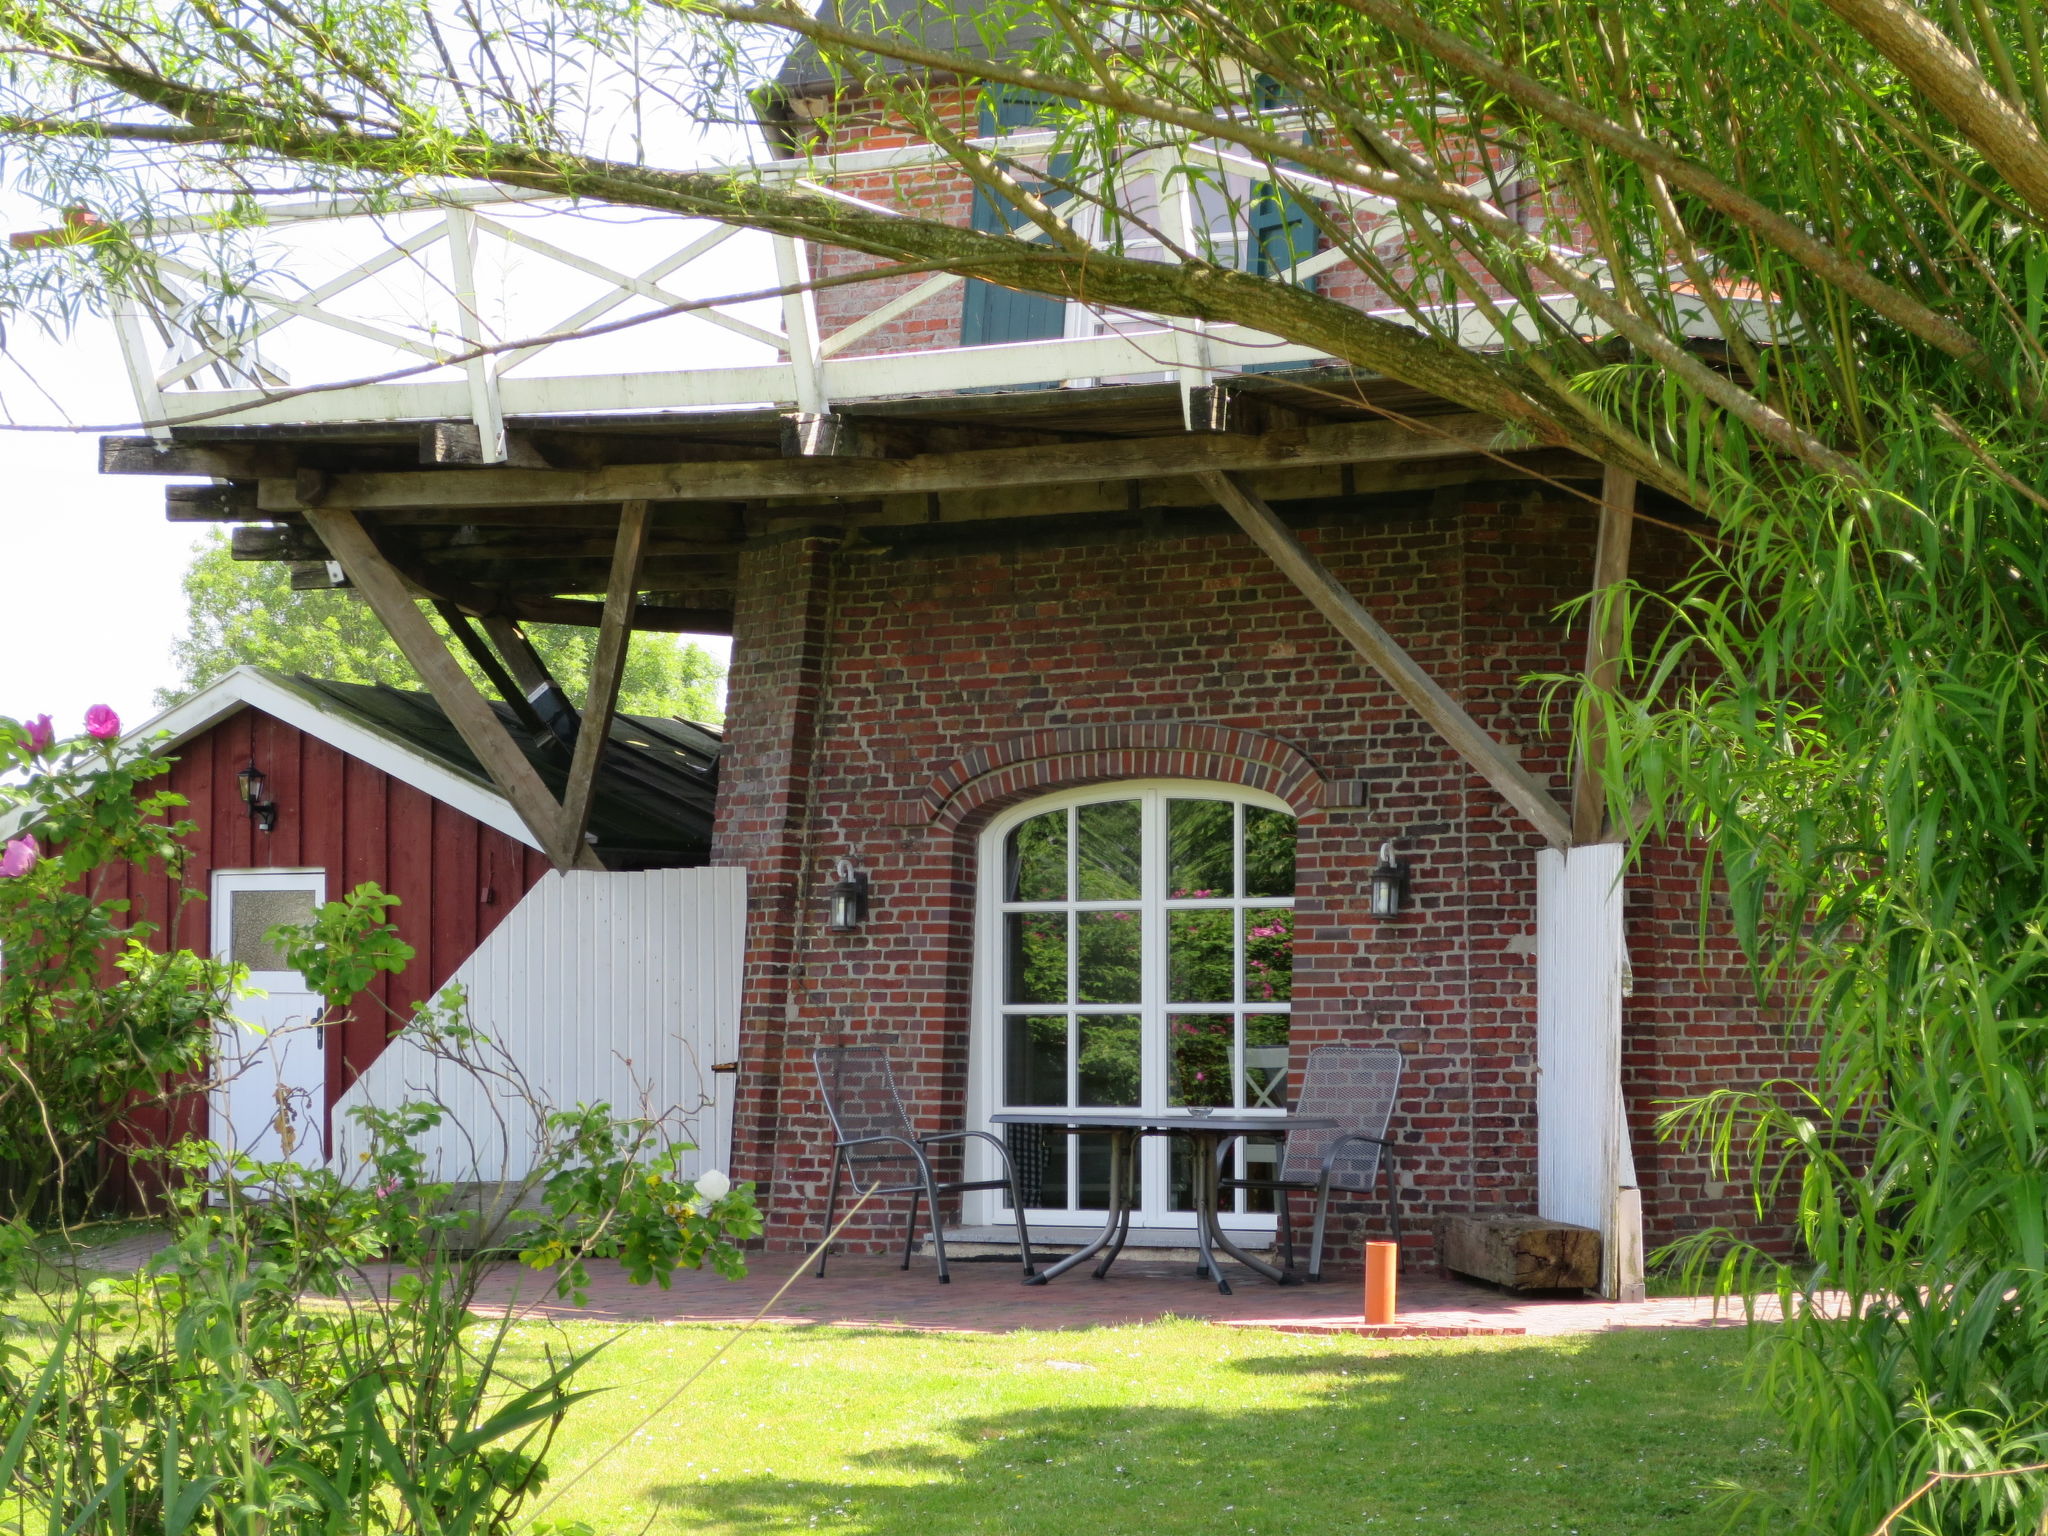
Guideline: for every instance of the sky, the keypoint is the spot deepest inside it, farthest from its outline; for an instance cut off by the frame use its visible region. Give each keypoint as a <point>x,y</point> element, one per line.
<point>89,569</point>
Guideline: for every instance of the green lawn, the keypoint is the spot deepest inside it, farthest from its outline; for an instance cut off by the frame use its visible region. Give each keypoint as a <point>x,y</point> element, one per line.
<point>1170,1428</point>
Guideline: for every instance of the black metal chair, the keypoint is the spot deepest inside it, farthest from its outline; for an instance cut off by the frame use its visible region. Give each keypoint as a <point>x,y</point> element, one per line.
<point>866,1110</point>
<point>1355,1086</point>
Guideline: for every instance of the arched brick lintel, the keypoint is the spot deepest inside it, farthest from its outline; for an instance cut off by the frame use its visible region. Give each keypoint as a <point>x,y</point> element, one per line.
<point>1006,771</point>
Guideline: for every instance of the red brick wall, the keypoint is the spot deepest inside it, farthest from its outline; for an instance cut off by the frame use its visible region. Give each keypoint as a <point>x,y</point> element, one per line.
<point>944,192</point>
<point>858,679</point>
<point>455,878</point>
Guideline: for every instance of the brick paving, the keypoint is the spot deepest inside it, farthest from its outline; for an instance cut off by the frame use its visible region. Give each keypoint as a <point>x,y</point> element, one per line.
<point>986,1297</point>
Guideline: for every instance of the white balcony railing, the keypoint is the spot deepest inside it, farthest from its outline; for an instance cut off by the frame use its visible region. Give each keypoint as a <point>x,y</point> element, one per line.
<point>360,291</point>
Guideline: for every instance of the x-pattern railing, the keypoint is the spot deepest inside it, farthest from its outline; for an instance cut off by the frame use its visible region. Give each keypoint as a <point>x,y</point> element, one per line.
<point>226,373</point>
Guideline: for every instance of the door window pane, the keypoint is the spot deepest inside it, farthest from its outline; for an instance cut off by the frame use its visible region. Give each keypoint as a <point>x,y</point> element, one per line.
<point>1035,957</point>
<point>1035,1059</point>
<point>1268,954</point>
<point>1111,1060</point>
<point>1040,1156</point>
<point>1201,848</point>
<point>1201,955</point>
<point>1265,1061</point>
<point>1111,862</point>
<point>1037,860</point>
<point>1198,1065</point>
<point>1261,1160</point>
<point>251,914</point>
<point>1268,852</point>
<point>1094,1161</point>
<point>1109,961</point>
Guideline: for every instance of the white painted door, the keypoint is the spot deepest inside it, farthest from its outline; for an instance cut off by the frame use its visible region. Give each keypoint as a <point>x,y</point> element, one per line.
<point>1585,1169</point>
<point>270,1071</point>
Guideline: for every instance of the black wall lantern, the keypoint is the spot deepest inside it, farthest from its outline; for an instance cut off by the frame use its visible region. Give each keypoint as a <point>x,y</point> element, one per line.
<point>849,899</point>
<point>1389,884</point>
<point>252,785</point>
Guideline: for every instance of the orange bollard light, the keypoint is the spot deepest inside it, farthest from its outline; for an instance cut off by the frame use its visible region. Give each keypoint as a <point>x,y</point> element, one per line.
<point>1382,1263</point>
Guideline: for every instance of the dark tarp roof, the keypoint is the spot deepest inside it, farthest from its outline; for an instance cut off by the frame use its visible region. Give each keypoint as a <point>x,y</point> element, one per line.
<point>656,783</point>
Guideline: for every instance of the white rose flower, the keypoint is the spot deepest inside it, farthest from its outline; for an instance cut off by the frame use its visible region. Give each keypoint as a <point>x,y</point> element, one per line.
<point>713,1185</point>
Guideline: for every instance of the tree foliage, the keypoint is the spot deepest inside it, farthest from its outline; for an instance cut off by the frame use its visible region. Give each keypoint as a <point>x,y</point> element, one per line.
<point>97,1020</point>
<point>245,613</point>
<point>1784,261</point>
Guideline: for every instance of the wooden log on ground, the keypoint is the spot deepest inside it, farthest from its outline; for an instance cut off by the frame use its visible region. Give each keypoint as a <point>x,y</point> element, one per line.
<point>1522,1253</point>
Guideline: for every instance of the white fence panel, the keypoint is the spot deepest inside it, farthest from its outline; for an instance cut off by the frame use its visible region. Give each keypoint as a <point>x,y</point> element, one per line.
<point>620,988</point>
<point>1585,1169</point>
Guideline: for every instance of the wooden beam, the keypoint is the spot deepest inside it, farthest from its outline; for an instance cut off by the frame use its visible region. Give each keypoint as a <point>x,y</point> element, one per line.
<point>462,442</point>
<point>1119,459</point>
<point>228,461</point>
<point>460,626</point>
<point>1493,761</point>
<point>607,668</point>
<point>1605,639</point>
<point>441,585</point>
<point>211,503</point>
<point>529,672</point>
<point>825,435</point>
<point>468,710</point>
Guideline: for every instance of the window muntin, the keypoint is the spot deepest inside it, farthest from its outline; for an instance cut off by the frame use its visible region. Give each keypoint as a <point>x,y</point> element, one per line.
<point>1144,959</point>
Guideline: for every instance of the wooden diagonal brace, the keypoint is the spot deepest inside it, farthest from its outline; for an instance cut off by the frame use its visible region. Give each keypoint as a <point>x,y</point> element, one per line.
<point>1383,653</point>
<point>487,662</point>
<point>1605,621</point>
<point>468,710</point>
<point>607,667</point>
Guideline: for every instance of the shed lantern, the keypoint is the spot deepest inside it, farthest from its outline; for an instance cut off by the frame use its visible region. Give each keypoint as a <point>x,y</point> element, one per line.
<point>849,899</point>
<point>1389,882</point>
<point>251,782</point>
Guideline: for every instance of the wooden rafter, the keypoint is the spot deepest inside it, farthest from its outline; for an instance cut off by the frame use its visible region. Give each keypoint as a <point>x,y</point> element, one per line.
<point>487,661</point>
<point>607,668</point>
<point>1448,436</point>
<point>528,670</point>
<point>1384,654</point>
<point>1605,638</point>
<point>468,710</point>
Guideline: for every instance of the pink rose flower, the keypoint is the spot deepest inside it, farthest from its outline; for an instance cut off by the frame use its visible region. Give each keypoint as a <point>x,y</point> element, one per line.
<point>20,857</point>
<point>101,723</point>
<point>40,734</point>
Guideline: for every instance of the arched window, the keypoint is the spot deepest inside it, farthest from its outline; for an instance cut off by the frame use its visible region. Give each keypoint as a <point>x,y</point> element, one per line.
<point>1136,950</point>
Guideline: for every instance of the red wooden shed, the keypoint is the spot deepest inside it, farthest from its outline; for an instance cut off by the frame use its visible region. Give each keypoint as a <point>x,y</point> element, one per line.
<point>363,783</point>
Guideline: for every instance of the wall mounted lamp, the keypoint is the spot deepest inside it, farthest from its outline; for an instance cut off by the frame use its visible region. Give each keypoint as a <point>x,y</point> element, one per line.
<point>1389,884</point>
<point>849,907</point>
<point>251,782</point>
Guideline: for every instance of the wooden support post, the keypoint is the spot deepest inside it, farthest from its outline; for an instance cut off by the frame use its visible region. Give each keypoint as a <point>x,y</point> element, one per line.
<point>468,710</point>
<point>607,667</point>
<point>1605,639</point>
<point>1493,761</point>
<point>492,668</point>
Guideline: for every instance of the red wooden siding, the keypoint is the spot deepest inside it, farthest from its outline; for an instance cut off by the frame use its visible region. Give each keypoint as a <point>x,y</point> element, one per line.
<point>455,877</point>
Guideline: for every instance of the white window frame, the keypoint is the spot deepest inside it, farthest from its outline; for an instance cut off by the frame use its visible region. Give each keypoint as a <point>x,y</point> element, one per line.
<point>221,888</point>
<point>985,1041</point>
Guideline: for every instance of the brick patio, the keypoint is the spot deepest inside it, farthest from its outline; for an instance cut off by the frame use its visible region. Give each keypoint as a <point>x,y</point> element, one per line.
<point>986,1297</point>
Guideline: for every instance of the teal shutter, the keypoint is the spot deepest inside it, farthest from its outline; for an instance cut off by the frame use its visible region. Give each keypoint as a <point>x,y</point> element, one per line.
<point>990,314</point>
<point>1281,230</point>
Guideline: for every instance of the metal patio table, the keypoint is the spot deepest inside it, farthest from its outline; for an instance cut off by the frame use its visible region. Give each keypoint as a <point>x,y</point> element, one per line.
<point>1124,1129</point>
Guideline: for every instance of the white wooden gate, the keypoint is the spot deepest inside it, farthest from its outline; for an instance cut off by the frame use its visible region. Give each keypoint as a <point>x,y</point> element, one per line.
<point>620,988</point>
<point>1585,1169</point>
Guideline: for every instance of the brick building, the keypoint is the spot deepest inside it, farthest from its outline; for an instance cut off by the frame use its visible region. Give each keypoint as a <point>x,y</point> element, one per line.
<point>1117,773</point>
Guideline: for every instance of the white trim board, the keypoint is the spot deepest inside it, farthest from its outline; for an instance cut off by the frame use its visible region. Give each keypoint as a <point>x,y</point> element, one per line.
<point>305,710</point>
